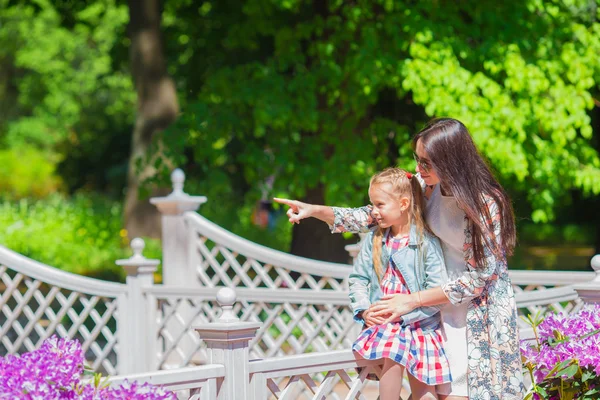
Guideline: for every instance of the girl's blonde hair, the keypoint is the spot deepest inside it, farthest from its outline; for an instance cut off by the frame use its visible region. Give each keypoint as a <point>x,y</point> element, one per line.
<point>403,183</point>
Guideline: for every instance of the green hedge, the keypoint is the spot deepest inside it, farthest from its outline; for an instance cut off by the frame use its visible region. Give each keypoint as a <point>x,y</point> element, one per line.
<point>82,234</point>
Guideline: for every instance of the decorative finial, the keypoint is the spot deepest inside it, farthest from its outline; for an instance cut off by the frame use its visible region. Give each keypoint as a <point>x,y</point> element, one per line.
<point>177,178</point>
<point>226,299</point>
<point>595,263</point>
<point>137,245</point>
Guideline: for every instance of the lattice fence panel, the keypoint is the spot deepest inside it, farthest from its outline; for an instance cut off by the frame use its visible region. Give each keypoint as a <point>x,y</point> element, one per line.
<point>287,328</point>
<point>563,307</point>
<point>337,384</point>
<point>221,266</point>
<point>31,311</point>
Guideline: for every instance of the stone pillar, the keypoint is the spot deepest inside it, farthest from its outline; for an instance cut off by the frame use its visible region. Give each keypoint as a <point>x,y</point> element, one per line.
<point>137,314</point>
<point>227,342</point>
<point>177,268</point>
<point>590,292</point>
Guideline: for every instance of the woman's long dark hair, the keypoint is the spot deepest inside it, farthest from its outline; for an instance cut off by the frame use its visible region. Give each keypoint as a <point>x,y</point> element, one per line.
<point>463,172</point>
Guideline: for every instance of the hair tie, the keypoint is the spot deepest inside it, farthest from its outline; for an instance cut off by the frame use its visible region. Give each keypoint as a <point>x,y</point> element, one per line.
<point>409,175</point>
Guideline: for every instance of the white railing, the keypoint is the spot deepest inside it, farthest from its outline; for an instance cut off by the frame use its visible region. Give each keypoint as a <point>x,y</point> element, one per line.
<point>39,301</point>
<point>198,383</point>
<point>233,374</point>
<point>330,375</point>
<point>294,322</point>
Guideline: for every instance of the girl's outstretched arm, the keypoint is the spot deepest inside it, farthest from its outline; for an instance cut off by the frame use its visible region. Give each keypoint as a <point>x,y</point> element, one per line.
<point>339,219</point>
<point>299,210</point>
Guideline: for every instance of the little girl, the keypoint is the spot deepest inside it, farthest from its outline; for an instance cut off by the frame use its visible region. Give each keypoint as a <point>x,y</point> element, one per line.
<point>400,256</point>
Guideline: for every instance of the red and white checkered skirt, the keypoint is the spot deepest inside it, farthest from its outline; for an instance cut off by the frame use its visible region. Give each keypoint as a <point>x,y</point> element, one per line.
<point>418,347</point>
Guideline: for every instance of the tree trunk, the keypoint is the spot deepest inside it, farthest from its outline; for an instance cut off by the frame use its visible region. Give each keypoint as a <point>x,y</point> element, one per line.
<point>312,238</point>
<point>157,107</point>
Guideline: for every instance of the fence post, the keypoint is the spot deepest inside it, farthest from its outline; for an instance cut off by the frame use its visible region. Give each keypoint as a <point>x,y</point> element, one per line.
<point>177,270</point>
<point>590,292</point>
<point>137,319</point>
<point>227,341</point>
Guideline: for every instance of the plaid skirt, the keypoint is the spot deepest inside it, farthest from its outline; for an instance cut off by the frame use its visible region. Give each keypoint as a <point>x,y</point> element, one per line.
<point>418,347</point>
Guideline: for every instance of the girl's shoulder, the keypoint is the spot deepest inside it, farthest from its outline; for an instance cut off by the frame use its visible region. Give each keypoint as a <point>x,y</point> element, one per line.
<point>431,240</point>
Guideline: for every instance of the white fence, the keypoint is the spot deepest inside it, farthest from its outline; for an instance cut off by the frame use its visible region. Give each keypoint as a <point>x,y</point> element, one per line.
<point>301,305</point>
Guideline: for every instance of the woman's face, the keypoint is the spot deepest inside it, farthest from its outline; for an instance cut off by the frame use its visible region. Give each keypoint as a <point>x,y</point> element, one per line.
<point>425,166</point>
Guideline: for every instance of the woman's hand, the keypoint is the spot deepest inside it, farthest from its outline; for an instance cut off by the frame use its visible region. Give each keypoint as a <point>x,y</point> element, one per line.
<point>371,319</point>
<point>297,211</point>
<point>393,306</point>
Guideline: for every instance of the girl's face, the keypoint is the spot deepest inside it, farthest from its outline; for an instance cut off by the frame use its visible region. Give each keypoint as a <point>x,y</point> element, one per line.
<point>388,210</point>
<point>425,166</point>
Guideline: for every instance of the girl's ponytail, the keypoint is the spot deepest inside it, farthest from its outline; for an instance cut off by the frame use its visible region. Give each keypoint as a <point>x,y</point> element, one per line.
<point>377,245</point>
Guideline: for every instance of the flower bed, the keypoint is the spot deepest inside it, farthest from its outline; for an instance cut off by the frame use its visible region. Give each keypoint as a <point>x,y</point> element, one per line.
<point>564,358</point>
<point>55,371</point>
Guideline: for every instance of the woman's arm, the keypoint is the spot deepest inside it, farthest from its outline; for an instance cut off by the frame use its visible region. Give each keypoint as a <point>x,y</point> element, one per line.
<point>339,219</point>
<point>468,286</point>
<point>417,306</point>
<point>473,281</point>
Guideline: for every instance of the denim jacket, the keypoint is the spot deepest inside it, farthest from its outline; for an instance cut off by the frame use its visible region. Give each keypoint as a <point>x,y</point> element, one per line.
<point>421,264</point>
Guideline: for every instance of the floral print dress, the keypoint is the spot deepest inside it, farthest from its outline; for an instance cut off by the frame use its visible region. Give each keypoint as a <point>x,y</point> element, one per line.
<point>494,359</point>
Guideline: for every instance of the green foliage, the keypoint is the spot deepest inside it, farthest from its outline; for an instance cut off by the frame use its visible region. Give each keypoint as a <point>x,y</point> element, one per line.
<point>61,89</point>
<point>34,178</point>
<point>553,234</point>
<point>82,235</point>
<point>329,92</point>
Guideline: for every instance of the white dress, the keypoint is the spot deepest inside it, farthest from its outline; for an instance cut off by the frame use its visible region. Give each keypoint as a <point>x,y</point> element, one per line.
<point>446,221</point>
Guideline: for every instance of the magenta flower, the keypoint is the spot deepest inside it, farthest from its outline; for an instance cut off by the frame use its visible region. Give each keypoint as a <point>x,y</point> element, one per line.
<point>569,350</point>
<point>55,371</point>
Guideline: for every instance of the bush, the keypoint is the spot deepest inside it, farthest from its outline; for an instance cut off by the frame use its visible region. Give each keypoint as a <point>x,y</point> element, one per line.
<point>35,178</point>
<point>55,371</point>
<point>82,235</point>
<point>564,358</point>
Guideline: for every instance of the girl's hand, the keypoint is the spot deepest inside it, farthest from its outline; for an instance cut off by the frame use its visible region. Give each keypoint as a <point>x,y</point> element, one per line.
<point>371,320</point>
<point>393,306</point>
<point>297,211</point>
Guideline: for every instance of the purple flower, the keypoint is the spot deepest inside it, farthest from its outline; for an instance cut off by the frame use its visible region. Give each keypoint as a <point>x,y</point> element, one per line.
<point>54,372</point>
<point>573,339</point>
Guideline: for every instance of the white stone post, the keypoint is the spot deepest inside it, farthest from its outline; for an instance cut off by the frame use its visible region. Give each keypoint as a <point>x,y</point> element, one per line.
<point>137,317</point>
<point>177,269</point>
<point>590,292</point>
<point>178,261</point>
<point>227,342</point>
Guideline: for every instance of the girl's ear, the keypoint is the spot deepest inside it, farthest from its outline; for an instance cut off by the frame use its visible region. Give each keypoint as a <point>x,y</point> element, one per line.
<point>404,203</point>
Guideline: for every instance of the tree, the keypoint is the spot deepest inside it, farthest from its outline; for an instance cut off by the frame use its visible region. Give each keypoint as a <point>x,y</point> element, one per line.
<point>65,100</point>
<point>157,108</point>
<point>323,94</point>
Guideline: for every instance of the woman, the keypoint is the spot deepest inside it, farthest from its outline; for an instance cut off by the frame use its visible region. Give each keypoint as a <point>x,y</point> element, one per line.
<point>472,216</point>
